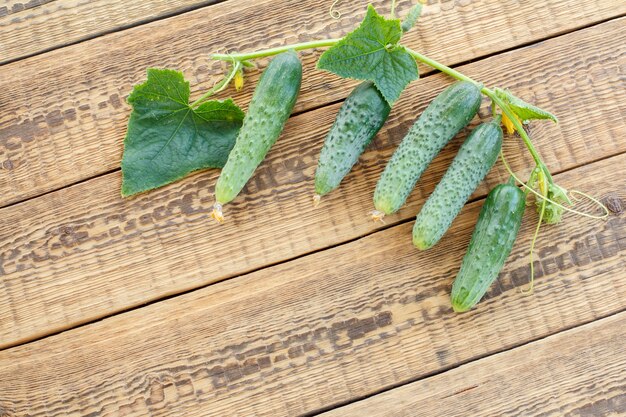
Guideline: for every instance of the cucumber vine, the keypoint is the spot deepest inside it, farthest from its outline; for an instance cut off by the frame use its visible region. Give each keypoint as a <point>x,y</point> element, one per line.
<point>551,198</point>
<point>512,108</point>
<point>168,137</point>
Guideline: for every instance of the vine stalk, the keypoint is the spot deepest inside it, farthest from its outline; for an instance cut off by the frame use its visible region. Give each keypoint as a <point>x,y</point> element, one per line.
<point>220,85</point>
<point>275,51</point>
<point>239,58</point>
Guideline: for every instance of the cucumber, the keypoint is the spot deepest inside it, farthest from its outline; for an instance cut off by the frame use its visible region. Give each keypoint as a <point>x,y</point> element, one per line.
<point>475,158</point>
<point>270,107</point>
<point>493,238</point>
<point>359,119</point>
<point>448,113</point>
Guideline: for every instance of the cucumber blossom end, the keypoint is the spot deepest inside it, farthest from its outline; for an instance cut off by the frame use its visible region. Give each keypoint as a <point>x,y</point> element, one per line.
<point>271,105</point>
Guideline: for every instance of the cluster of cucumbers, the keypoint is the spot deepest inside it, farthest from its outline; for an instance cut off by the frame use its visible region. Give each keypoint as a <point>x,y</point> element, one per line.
<point>360,118</point>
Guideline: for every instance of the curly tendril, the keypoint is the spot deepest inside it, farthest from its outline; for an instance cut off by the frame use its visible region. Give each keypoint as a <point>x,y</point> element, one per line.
<point>531,284</point>
<point>543,186</point>
<point>571,192</point>
<point>335,14</point>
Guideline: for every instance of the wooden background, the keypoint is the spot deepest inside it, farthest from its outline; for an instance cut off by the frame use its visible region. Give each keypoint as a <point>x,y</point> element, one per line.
<point>144,307</point>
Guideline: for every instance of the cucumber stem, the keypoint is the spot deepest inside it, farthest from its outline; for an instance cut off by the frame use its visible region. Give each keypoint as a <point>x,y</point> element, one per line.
<point>528,189</point>
<point>275,51</point>
<point>446,70</point>
<point>520,130</point>
<point>531,285</point>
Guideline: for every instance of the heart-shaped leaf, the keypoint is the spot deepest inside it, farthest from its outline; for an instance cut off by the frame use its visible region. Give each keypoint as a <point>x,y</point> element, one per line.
<point>167,138</point>
<point>372,52</point>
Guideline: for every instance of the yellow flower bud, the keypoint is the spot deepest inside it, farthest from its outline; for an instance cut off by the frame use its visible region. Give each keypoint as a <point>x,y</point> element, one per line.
<point>508,125</point>
<point>238,80</point>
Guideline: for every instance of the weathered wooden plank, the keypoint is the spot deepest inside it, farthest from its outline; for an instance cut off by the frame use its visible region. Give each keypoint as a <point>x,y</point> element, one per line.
<point>579,372</point>
<point>8,7</point>
<point>64,113</point>
<point>82,252</point>
<point>326,328</point>
<point>62,22</point>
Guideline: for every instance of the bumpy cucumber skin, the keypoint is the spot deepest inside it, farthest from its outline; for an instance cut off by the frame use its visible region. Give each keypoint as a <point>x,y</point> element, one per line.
<point>270,107</point>
<point>359,119</point>
<point>448,113</point>
<point>473,161</point>
<point>493,238</point>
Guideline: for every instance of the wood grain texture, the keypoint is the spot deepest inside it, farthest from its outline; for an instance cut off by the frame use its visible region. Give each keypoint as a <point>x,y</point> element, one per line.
<point>579,372</point>
<point>316,332</point>
<point>62,22</point>
<point>64,113</point>
<point>11,7</point>
<point>82,252</point>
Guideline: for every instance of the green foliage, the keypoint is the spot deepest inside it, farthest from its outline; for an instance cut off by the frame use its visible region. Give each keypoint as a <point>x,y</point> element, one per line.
<point>167,138</point>
<point>372,52</point>
<point>411,17</point>
<point>523,110</point>
<point>553,213</point>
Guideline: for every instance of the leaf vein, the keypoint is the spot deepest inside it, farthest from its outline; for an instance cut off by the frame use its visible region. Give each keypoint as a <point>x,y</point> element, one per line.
<point>171,136</point>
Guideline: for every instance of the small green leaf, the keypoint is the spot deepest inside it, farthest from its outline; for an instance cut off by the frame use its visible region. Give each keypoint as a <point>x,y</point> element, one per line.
<point>167,138</point>
<point>372,52</point>
<point>523,110</point>
<point>411,17</point>
<point>552,212</point>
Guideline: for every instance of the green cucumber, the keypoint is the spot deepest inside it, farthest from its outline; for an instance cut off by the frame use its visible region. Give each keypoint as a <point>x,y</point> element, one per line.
<point>473,161</point>
<point>359,119</point>
<point>493,238</point>
<point>448,113</point>
<point>270,107</point>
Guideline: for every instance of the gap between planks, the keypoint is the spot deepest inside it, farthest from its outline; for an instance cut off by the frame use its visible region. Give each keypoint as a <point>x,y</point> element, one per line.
<point>182,343</point>
<point>96,33</point>
<point>77,132</point>
<point>277,263</point>
<point>563,333</point>
<point>367,173</point>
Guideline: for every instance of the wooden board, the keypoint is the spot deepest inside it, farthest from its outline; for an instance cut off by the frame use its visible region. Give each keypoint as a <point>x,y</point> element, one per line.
<point>8,7</point>
<point>90,253</point>
<point>579,372</point>
<point>62,22</point>
<point>315,332</point>
<point>64,113</point>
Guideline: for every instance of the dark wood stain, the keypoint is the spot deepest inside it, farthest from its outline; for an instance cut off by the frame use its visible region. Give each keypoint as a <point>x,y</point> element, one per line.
<point>461,391</point>
<point>613,203</point>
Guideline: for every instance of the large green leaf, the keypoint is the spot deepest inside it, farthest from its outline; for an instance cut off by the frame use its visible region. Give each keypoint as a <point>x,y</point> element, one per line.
<point>372,52</point>
<point>167,138</point>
